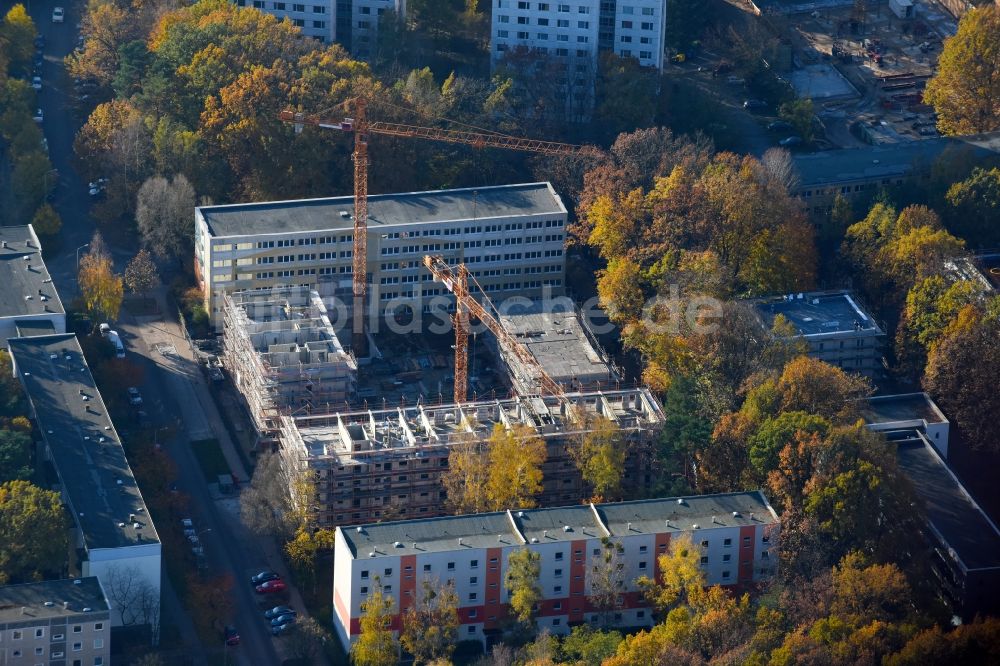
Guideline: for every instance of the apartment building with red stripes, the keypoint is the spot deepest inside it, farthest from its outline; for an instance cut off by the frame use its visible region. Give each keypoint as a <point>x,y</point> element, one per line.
<point>736,534</point>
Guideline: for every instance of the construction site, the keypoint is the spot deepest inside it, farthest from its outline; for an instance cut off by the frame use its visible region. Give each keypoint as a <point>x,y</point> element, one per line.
<point>284,356</point>
<point>373,465</point>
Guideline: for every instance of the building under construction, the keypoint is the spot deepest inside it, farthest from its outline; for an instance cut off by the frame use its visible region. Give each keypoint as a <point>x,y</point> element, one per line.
<point>284,357</point>
<point>372,465</point>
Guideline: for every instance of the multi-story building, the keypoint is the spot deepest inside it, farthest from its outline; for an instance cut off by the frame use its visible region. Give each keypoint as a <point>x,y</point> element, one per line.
<point>316,18</point>
<point>112,533</point>
<point>368,465</point>
<point>511,238</point>
<point>836,327</point>
<point>570,34</point>
<point>55,622</point>
<point>908,411</point>
<point>736,534</point>
<point>29,304</point>
<point>284,356</point>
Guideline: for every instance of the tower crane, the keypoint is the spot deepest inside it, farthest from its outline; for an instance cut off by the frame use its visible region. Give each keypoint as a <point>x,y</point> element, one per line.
<point>456,280</point>
<point>362,127</point>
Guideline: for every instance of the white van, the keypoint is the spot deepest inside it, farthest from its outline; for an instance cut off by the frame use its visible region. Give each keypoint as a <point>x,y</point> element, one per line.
<point>114,338</point>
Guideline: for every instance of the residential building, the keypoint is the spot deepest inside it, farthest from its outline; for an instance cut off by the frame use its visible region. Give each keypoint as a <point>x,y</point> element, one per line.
<point>284,356</point>
<point>55,622</point>
<point>982,267</point>
<point>560,341</point>
<point>837,328</point>
<point>358,23</point>
<point>963,541</point>
<point>906,412</point>
<point>315,18</point>
<point>570,35</point>
<point>371,464</point>
<point>112,533</point>
<point>29,303</point>
<point>856,173</point>
<point>511,237</point>
<point>736,534</point>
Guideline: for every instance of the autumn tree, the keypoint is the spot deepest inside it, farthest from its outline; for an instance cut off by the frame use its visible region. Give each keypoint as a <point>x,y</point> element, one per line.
<point>430,624</point>
<point>210,601</point>
<point>965,644</point>
<point>164,214</point>
<point>521,581</point>
<point>466,478</point>
<point>141,275</point>
<point>599,453</point>
<point>375,645</point>
<point>303,549</point>
<point>102,290</point>
<point>680,575</point>
<point>965,92</point>
<point>961,373</point>
<point>33,532</point>
<point>931,305</point>
<point>811,386</point>
<point>516,456</point>
<point>606,579</point>
<point>17,34</point>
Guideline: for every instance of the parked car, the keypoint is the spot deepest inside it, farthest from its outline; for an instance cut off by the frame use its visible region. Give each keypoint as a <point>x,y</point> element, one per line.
<point>40,42</point>
<point>779,125</point>
<point>232,636</point>
<point>39,116</point>
<point>790,141</point>
<point>58,15</point>
<point>277,611</point>
<point>735,80</point>
<point>282,619</point>
<point>271,587</point>
<point>263,577</point>
<point>134,397</point>
<point>97,187</point>
<point>282,628</point>
<point>36,82</point>
<point>753,104</point>
<point>37,62</point>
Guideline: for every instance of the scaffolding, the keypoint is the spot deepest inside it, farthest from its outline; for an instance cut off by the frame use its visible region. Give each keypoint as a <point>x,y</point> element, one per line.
<point>284,356</point>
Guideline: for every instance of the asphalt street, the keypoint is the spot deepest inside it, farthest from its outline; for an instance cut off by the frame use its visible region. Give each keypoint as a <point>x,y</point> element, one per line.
<point>169,385</point>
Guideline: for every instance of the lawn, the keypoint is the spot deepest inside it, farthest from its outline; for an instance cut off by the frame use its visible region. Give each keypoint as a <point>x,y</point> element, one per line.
<point>210,458</point>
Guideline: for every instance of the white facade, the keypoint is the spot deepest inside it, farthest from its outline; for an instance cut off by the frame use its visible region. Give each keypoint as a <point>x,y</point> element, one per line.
<point>472,552</point>
<point>511,238</point>
<point>364,20</point>
<point>316,18</point>
<point>123,572</point>
<point>578,29</point>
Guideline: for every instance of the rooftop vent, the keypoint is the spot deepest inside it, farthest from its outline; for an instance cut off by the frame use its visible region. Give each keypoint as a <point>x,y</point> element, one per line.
<point>122,525</point>
<point>371,554</point>
<point>414,545</point>
<point>520,514</point>
<point>545,533</point>
<point>567,528</point>
<point>65,605</point>
<point>358,529</point>
<point>695,526</point>
<point>344,214</point>
<point>5,245</point>
<point>398,544</point>
<point>680,500</point>
<point>49,604</point>
<point>77,581</point>
<point>751,515</point>
<point>534,540</point>
<point>628,527</point>
<point>736,514</point>
<point>86,609</point>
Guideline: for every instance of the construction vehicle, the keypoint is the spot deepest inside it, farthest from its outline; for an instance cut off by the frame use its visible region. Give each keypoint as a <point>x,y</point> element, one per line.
<point>362,128</point>
<point>456,280</point>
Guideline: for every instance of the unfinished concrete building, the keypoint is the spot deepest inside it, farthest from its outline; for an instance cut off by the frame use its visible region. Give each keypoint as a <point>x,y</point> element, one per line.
<point>561,342</point>
<point>379,465</point>
<point>284,357</point>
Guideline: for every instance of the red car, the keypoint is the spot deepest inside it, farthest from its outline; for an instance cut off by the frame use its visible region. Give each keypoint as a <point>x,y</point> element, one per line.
<point>271,586</point>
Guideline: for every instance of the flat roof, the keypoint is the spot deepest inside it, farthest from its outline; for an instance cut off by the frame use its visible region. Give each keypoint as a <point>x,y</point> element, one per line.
<point>557,340</point>
<point>27,285</point>
<point>818,315</point>
<point>886,409</point>
<point>45,599</point>
<point>86,450</point>
<point>303,215</point>
<point>989,265</point>
<point>557,524</point>
<point>885,161</point>
<point>958,520</point>
<point>27,328</point>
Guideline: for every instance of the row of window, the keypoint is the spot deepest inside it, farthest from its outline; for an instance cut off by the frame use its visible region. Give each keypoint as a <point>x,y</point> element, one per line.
<point>282,6</point>
<point>18,634</point>
<point>561,8</point>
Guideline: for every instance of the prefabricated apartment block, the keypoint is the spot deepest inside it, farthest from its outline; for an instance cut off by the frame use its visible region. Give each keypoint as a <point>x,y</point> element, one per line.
<point>736,535</point>
<point>511,237</point>
<point>374,464</point>
<point>283,355</point>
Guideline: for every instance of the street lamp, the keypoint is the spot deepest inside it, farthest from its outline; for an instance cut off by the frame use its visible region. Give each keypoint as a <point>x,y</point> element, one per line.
<point>78,255</point>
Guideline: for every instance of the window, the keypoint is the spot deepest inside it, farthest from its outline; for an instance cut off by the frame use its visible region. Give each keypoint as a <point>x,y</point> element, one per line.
<point>642,565</point>
<point>364,575</point>
<point>387,588</point>
<point>77,628</point>
<point>557,605</point>
<point>558,573</point>
<point>98,643</point>
<point>764,555</point>
<point>503,19</point>
<point>39,651</point>
<point>647,26</point>
<point>583,10</point>
<point>746,542</point>
<point>727,542</point>
<point>704,559</point>
<point>584,25</point>
<point>17,635</point>
<point>473,580</point>
<point>472,629</point>
<point>39,633</point>
<point>562,23</point>
<point>319,24</point>
<point>647,11</point>
<point>58,637</point>
<point>523,5</point>
<point>472,596</point>
<point>451,566</point>
<point>298,8</point>
<point>98,661</point>
<point>564,9</point>
<point>427,568</point>
<point>727,557</point>
<point>474,564</point>
<point>364,589</point>
<point>280,6</point>
<point>627,25</point>
<point>725,575</point>
<point>559,556</point>
<point>77,647</point>
<point>557,589</point>
<point>319,9</point>
<point>522,20</point>
<point>642,549</point>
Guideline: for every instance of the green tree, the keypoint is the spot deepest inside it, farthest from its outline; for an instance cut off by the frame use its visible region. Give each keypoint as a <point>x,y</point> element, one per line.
<point>375,645</point>
<point>974,206</point>
<point>32,532</point>
<point>430,624</point>
<point>46,221</point>
<point>141,275</point>
<point>15,455</point>
<point>587,646</point>
<point>775,433</point>
<point>799,114</point>
<point>686,19</point>
<point>931,306</point>
<point>11,394</point>
<point>965,92</point>
<point>523,569</point>
<point>17,34</point>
